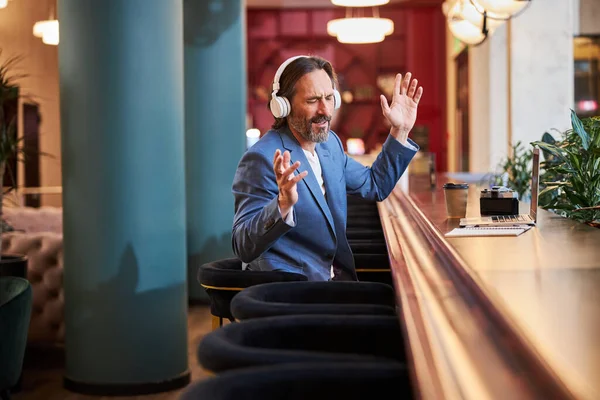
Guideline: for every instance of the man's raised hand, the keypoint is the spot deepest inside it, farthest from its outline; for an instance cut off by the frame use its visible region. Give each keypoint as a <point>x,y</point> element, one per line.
<point>286,180</point>
<point>402,113</point>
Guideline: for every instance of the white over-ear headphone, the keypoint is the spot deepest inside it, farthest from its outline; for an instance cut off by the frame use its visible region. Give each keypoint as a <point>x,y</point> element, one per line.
<point>280,106</point>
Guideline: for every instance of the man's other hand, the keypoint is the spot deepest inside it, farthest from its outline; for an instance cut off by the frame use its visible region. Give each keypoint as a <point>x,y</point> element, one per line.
<point>286,180</point>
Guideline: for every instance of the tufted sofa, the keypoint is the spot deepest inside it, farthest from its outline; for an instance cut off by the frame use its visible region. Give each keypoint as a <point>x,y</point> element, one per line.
<point>38,234</point>
<point>33,220</point>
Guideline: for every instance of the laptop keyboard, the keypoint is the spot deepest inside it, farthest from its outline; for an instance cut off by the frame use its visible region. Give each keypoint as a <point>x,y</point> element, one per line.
<point>509,218</point>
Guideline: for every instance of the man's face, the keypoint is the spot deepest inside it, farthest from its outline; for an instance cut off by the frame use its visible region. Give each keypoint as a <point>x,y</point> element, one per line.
<point>312,106</point>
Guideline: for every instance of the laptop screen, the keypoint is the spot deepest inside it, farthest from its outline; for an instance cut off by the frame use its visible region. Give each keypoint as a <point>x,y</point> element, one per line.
<point>535,184</point>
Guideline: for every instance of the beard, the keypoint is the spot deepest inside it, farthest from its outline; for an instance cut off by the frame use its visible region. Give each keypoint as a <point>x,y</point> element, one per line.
<point>305,129</point>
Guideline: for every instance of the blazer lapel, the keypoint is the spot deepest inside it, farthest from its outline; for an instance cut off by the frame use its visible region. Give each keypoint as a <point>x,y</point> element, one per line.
<point>326,167</point>
<point>291,144</point>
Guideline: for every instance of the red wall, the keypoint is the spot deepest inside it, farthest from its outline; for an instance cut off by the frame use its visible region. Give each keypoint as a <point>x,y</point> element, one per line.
<point>417,45</point>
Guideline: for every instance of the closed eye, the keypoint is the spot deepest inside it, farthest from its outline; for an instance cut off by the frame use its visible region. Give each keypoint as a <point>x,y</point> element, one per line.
<point>313,100</point>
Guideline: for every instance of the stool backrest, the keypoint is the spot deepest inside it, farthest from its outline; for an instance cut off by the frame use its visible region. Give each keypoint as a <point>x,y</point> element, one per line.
<point>302,338</point>
<point>294,298</point>
<point>223,279</point>
<point>357,381</point>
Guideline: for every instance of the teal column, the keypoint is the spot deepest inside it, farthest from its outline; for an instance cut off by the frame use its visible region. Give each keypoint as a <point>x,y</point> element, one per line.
<point>215,126</point>
<point>122,118</point>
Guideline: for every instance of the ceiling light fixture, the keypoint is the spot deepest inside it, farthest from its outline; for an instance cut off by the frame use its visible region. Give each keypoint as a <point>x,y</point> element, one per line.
<point>356,28</point>
<point>467,24</point>
<point>359,3</point>
<point>501,9</point>
<point>360,30</point>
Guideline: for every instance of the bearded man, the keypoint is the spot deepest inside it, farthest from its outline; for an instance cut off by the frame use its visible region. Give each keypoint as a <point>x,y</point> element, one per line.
<point>290,188</point>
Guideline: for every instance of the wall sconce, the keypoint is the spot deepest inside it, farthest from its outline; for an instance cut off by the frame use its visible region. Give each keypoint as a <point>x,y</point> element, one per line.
<point>252,136</point>
<point>502,10</point>
<point>47,30</point>
<point>355,146</point>
<point>3,3</point>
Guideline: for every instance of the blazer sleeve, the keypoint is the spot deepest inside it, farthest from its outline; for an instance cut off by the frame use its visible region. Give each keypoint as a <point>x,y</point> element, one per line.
<point>257,223</point>
<point>377,182</point>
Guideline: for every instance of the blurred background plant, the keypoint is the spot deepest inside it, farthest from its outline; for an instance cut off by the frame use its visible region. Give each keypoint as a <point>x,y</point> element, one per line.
<point>570,183</point>
<point>12,147</point>
<point>9,143</point>
<point>9,95</point>
<point>514,172</point>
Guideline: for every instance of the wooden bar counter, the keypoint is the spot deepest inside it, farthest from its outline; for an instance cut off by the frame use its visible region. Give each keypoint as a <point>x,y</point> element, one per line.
<point>494,317</point>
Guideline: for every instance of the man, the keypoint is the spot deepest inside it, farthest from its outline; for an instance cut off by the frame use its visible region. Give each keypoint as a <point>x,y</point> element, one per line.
<point>290,187</point>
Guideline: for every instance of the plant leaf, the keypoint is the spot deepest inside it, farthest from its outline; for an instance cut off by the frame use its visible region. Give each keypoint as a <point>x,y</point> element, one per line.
<point>580,130</point>
<point>550,148</point>
<point>548,138</point>
<point>548,190</point>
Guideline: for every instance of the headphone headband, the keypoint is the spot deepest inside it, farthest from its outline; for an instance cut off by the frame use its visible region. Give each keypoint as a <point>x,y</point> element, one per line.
<point>280,71</point>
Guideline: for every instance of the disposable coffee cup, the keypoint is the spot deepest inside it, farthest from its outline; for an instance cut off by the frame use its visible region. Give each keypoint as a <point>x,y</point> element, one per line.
<point>456,199</point>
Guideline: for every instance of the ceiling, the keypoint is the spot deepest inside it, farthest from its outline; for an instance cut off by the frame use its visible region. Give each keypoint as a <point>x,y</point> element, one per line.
<point>324,3</point>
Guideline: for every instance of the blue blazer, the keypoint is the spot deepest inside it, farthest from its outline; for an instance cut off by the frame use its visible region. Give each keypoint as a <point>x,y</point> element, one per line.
<point>318,240</point>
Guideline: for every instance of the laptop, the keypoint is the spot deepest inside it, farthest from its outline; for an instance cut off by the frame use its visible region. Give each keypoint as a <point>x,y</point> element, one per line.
<point>512,220</point>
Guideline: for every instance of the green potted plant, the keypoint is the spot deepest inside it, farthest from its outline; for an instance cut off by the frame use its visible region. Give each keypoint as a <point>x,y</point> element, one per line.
<point>570,184</point>
<point>10,264</point>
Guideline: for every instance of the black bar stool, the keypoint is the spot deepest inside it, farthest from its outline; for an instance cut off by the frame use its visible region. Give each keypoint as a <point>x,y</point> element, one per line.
<point>373,234</point>
<point>373,268</point>
<point>302,338</point>
<point>315,381</point>
<point>368,246</point>
<point>334,297</point>
<point>223,279</point>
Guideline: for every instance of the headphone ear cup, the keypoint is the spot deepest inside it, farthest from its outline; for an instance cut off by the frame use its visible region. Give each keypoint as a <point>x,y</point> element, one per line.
<point>287,107</point>
<point>280,107</point>
<point>276,107</point>
<point>337,99</point>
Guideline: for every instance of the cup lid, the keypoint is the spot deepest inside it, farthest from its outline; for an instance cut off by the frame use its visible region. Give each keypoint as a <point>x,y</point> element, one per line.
<point>451,185</point>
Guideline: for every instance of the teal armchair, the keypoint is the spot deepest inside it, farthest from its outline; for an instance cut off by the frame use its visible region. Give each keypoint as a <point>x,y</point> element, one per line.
<point>15,313</point>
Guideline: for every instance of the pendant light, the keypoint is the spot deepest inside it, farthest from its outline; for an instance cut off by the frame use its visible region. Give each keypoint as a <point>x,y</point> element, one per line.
<point>501,9</point>
<point>359,3</point>
<point>466,23</point>
<point>356,28</point>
